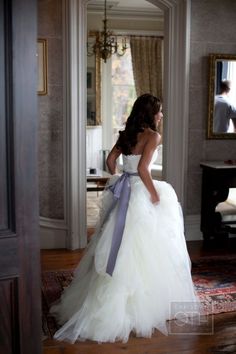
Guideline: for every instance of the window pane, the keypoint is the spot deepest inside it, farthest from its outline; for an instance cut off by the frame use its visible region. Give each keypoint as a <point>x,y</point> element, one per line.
<point>123,90</point>
<point>122,71</point>
<point>123,99</point>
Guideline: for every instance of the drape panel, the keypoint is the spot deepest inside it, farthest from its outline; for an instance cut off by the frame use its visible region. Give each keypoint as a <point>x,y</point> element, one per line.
<point>146,53</point>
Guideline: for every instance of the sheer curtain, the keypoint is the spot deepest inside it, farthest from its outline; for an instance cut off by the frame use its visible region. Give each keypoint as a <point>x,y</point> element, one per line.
<point>146,53</point>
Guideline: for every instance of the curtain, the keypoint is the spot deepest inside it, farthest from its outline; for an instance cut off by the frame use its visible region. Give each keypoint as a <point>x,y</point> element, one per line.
<point>146,54</point>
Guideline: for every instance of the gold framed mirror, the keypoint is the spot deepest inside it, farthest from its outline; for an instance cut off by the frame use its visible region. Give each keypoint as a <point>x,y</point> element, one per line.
<point>222,97</point>
<point>93,84</point>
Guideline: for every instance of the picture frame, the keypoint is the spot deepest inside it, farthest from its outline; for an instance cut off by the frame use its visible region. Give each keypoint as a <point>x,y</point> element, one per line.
<point>42,48</point>
<point>91,110</point>
<point>91,81</point>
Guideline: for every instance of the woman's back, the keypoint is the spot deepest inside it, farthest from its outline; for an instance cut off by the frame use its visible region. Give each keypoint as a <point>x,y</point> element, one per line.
<point>142,139</point>
<point>130,162</point>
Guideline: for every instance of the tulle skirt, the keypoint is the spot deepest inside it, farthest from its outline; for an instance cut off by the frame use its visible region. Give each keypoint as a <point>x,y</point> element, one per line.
<point>152,272</point>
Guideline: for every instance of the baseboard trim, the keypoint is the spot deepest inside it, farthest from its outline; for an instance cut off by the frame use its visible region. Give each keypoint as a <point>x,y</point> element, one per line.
<point>53,233</point>
<point>192,228</point>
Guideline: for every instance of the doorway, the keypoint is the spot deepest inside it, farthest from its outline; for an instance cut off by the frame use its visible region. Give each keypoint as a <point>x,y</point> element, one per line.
<point>115,86</point>
<point>73,231</point>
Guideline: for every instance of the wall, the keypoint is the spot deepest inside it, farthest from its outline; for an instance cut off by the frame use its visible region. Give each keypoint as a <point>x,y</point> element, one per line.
<point>51,113</point>
<point>213,30</point>
<point>116,24</point>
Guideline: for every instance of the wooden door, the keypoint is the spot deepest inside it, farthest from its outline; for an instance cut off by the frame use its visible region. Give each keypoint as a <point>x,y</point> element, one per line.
<point>20,323</point>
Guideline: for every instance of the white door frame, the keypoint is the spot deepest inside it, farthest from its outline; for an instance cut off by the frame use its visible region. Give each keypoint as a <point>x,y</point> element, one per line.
<point>176,90</point>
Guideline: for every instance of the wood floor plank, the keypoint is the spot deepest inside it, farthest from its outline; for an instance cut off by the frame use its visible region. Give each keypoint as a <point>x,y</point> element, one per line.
<point>55,350</point>
<point>60,259</point>
<point>223,340</point>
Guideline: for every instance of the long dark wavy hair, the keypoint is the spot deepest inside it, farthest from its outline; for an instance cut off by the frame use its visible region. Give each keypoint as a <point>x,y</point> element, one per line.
<point>142,115</point>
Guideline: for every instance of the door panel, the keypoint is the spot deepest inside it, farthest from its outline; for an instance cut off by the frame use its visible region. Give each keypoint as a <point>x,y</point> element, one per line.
<point>20,310</point>
<point>8,313</point>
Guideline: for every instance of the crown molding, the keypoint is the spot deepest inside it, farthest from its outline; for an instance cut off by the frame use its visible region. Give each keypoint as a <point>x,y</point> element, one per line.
<point>132,13</point>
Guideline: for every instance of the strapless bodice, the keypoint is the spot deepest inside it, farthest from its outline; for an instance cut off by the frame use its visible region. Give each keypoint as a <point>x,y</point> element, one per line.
<point>130,162</point>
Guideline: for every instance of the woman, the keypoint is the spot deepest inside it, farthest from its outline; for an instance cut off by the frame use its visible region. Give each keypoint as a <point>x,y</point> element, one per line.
<point>137,264</point>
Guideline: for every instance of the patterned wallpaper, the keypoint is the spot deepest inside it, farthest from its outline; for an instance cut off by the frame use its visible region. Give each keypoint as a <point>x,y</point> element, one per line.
<point>213,30</point>
<point>50,110</point>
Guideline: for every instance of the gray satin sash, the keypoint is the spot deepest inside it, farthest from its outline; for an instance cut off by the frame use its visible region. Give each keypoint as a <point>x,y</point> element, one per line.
<point>121,194</point>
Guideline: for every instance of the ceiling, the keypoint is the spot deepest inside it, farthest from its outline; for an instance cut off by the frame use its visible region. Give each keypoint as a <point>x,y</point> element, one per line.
<point>134,3</point>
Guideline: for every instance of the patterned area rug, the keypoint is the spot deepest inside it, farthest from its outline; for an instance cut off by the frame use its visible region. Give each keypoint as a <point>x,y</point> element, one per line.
<point>53,283</point>
<point>214,279</point>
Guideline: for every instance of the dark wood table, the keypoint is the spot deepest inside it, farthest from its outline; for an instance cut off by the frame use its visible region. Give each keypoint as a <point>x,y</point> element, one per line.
<point>99,179</point>
<point>217,178</point>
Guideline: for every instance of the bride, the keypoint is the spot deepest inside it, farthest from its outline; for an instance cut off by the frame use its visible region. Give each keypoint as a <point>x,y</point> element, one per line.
<point>136,265</point>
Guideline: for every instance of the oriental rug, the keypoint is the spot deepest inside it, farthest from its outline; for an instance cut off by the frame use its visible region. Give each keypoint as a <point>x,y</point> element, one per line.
<point>214,280</point>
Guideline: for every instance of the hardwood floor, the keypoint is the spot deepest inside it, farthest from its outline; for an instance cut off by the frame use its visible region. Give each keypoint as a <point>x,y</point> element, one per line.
<point>222,339</point>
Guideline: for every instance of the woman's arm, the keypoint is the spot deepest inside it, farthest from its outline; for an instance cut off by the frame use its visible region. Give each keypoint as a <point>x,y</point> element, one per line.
<point>111,159</point>
<point>144,163</point>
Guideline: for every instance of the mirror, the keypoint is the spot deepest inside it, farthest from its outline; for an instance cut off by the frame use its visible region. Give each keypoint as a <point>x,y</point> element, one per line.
<point>93,84</point>
<point>222,97</point>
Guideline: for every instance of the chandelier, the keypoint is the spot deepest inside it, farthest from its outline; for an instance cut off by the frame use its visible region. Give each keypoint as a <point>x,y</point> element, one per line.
<point>106,43</point>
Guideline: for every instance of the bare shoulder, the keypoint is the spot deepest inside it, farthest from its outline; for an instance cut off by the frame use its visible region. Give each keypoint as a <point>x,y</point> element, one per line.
<point>153,138</point>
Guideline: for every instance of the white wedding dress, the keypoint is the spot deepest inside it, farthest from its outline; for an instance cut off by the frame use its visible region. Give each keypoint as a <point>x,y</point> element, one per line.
<point>152,270</point>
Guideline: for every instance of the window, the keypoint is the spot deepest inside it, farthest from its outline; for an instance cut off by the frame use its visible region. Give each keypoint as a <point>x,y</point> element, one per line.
<point>123,90</point>
<point>118,97</point>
